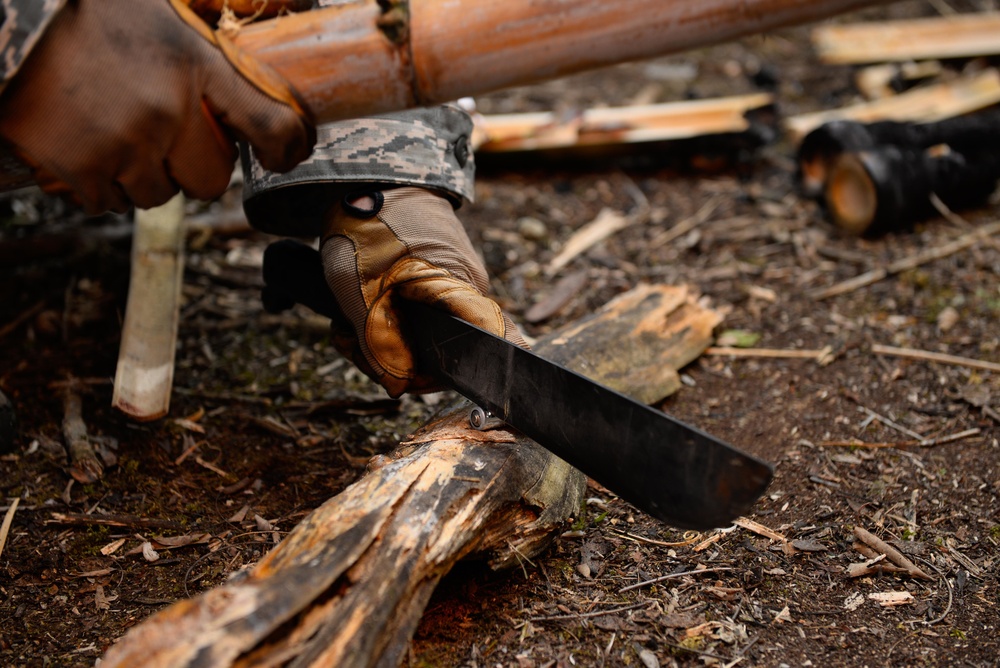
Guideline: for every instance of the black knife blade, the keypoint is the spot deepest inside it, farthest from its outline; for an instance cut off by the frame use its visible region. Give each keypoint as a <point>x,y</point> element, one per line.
<point>669,469</point>
<point>664,467</point>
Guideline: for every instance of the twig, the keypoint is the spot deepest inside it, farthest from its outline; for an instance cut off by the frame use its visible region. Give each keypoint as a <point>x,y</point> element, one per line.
<point>688,540</point>
<point>909,262</point>
<point>947,608</point>
<point>7,519</point>
<point>673,576</point>
<point>84,465</point>
<point>22,318</point>
<point>130,521</point>
<point>586,615</point>
<point>940,358</point>
<point>925,443</point>
<point>686,225</point>
<point>894,555</point>
<point>818,355</point>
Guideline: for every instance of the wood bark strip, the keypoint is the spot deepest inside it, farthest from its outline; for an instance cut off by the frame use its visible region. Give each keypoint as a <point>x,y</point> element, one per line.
<point>348,585</point>
<point>891,553</point>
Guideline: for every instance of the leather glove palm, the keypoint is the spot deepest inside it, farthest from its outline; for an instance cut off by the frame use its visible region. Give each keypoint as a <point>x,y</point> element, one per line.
<point>408,245</point>
<point>128,101</point>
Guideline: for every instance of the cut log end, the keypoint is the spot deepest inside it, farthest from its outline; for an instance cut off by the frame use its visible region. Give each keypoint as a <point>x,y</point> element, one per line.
<point>851,195</point>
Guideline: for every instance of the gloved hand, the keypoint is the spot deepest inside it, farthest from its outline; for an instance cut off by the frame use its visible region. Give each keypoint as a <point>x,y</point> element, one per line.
<point>128,101</point>
<point>402,244</point>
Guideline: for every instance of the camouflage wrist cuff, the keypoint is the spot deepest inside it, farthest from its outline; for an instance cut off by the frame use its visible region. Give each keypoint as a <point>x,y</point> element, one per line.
<point>428,148</point>
<point>22,23</point>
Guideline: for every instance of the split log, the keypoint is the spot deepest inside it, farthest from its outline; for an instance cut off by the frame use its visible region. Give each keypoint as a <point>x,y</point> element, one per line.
<point>347,587</point>
<point>145,374</point>
<point>959,36</point>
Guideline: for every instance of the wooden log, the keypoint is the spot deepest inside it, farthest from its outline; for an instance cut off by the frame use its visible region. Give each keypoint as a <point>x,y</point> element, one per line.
<point>958,36</point>
<point>889,189</point>
<point>348,585</point>
<point>145,374</point>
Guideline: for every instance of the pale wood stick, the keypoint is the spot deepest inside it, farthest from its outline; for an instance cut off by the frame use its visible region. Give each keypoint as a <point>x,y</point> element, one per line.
<point>759,529</point>
<point>769,352</point>
<point>957,36</point>
<point>940,358</point>
<point>145,374</point>
<point>909,262</point>
<point>890,552</point>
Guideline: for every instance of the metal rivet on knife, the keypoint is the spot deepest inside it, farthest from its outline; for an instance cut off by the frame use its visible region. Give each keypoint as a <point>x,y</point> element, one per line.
<point>482,419</point>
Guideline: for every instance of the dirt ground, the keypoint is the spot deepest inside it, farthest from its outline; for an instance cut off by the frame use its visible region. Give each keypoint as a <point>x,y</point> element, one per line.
<point>276,422</point>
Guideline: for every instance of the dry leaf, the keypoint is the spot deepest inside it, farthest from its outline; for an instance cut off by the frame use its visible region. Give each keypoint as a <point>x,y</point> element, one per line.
<point>784,616</point>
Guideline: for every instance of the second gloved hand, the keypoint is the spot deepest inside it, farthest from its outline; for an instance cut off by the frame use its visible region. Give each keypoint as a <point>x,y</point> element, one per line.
<point>403,244</point>
<point>126,102</point>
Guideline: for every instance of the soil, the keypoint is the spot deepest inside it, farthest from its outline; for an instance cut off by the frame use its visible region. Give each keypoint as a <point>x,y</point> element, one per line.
<point>859,439</point>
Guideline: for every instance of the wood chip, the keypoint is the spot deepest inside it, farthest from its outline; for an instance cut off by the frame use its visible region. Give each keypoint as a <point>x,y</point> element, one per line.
<point>889,599</point>
<point>607,222</point>
<point>7,519</point>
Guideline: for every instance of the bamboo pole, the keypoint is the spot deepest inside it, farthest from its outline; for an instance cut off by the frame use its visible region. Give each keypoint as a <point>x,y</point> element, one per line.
<point>357,59</point>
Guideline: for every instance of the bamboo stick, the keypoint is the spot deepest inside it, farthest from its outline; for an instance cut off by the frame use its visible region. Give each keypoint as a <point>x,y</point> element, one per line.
<point>355,59</point>
<point>145,373</point>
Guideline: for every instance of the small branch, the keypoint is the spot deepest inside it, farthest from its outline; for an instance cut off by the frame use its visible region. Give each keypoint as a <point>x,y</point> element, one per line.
<point>818,355</point>
<point>587,615</point>
<point>673,576</point>
<point>940,358</point>
<point>128,521</point>
<point>84,465</point>
<point>925,443</point>
<point>894,555</point>
<point>909,262</point>
<point>5,527</point>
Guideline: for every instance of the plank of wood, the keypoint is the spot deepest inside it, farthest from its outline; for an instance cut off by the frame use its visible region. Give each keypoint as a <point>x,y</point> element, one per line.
<point>957,36</point>
<point>348,585</point>
<point>504,133</point>
<point>935,102</point>
<point>145,373</point>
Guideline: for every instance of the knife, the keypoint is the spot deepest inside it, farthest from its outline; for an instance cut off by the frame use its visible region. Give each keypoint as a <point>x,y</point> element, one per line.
<point>666,468</point>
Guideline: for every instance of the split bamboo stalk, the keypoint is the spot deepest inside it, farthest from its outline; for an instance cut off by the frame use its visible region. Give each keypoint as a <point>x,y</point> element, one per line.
<point>145,373</point>
<point>348,585</point>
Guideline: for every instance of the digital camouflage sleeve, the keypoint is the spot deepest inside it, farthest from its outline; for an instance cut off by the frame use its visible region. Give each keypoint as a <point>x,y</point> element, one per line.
<point>429,148</point>
<point>21,24</point>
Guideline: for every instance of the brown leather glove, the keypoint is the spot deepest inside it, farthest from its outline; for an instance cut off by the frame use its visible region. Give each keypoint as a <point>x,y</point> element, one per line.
<point>408,245</point>
<point>128,101</point>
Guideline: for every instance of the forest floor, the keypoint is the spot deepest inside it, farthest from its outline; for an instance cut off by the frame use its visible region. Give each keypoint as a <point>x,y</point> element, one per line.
<point>267,421</point>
